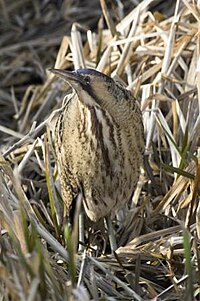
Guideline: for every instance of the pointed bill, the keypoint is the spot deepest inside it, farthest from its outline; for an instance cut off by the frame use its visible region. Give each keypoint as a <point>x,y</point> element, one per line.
<point>68,76</point>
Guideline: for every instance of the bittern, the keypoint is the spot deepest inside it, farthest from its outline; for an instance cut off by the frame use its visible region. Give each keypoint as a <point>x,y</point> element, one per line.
<point>99,142</point>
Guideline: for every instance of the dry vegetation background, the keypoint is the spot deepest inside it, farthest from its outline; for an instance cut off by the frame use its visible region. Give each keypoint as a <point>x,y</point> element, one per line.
<point>152,46</point>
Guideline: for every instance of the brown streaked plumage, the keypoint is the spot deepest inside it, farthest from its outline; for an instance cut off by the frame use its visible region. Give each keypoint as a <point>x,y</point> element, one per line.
<point>99,142</point>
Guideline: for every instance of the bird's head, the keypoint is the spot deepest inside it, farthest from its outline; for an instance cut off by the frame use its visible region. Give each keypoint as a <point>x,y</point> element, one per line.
<point>91,85</point>
<point>82,78</point>
<point>95,88</point>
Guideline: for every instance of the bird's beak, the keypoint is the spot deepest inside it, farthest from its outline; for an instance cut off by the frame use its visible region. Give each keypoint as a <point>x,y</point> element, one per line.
<point>72,77</point>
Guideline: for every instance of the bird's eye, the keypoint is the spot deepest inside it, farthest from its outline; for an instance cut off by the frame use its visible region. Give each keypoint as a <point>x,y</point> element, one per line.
<point>87,79</point>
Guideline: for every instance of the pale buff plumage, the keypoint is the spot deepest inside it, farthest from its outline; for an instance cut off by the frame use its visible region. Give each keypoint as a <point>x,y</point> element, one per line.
<point>99,143</point>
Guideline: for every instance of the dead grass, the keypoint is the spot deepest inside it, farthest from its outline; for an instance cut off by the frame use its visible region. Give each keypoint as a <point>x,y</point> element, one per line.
<point>157,57</point>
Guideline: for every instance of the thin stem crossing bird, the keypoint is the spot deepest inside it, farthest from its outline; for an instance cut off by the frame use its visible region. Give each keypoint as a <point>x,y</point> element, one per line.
<point>99,143</point>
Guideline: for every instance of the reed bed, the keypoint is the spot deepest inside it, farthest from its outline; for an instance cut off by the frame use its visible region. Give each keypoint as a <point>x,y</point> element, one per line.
<point>157,57</point>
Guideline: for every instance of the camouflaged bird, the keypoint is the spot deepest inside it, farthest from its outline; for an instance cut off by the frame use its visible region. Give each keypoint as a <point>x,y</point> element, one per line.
<point>99,143</point>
